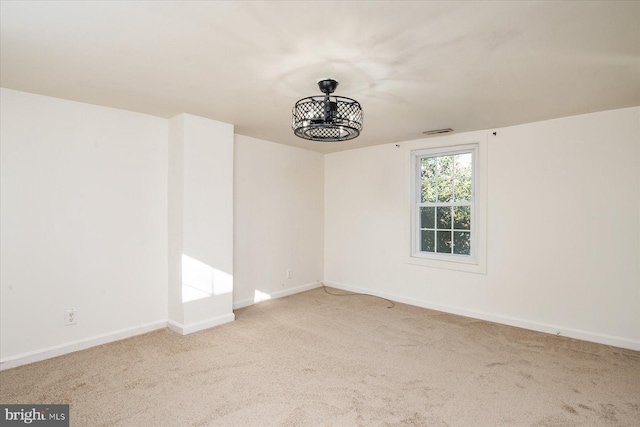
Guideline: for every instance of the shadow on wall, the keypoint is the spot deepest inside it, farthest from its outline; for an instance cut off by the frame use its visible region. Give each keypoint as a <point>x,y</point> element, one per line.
<point>200,280</point>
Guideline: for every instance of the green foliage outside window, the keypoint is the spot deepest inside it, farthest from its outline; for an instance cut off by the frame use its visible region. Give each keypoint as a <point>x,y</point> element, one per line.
<point>446,187</point>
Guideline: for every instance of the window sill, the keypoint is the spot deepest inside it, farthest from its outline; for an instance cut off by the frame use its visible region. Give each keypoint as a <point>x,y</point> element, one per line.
<point>468,267</point>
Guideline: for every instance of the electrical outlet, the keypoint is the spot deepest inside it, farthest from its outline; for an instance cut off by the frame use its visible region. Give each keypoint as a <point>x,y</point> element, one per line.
<point>70,317</point>
<point>289,274</point>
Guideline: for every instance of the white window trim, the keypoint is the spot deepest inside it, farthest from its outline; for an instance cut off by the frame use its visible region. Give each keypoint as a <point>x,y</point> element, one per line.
<point>415,191</point>
<point>477,262</point>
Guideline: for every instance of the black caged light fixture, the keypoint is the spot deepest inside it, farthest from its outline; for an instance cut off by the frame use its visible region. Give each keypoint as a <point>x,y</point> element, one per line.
<point>327,118</point>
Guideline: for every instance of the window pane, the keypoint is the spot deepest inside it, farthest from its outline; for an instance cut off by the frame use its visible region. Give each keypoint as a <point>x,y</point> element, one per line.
<point>428,179</point>
<point>462,217</point>
<point>462,177</point>
<point>462,189</point>
<point>444,218</point>
<point>427,217</point>
<point>444,242</point>
<point>445,178</point>
<point>445,167</point>
<point>445,190</point>
<point>427,241</point>
<point>461,242</point>
<point>463,165</point>
<point>444,202</point>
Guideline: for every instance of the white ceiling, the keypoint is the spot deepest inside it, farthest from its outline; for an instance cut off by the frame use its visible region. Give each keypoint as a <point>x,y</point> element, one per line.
<point>414,66</point>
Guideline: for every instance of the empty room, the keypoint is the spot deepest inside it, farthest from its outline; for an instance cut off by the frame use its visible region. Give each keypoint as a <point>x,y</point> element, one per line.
<point>320,213</point>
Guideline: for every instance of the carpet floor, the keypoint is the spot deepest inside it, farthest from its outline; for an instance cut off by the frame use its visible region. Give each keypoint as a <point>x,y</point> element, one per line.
<point>313,359</point>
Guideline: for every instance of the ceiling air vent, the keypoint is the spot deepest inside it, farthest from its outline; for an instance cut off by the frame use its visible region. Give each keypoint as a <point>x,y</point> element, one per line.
<point>438,131</point>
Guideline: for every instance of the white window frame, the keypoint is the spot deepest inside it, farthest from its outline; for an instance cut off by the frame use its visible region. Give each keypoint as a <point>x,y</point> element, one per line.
<point>442,146</point>
<point>416,157</point>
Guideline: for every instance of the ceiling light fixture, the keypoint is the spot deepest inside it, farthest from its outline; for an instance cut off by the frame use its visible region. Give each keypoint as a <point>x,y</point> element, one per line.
<point>327,118</point>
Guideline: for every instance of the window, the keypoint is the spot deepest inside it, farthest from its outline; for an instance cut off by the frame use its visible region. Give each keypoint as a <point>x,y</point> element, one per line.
<point>444,204</point>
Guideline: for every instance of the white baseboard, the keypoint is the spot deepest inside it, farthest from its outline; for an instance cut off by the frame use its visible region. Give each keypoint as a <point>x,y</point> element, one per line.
<point>497,318</point>
<point>199,326</point>
<point>279,294</point>
<point>59,350</point>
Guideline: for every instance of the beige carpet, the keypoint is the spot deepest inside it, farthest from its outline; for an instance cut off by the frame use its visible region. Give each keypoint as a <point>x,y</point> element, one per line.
<point>318,360</point>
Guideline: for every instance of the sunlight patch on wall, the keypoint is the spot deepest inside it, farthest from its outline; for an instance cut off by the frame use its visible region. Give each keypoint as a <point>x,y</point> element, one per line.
<point>200,280</point>
<point>260,296</point>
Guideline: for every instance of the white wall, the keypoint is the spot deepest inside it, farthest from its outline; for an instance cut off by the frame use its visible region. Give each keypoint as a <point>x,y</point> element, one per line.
<point>200,223</point>
<point>175,196</point>
<point>278,219</point>
<point>83,222</point>
<point>563,229</point>
<point>98,211</point>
